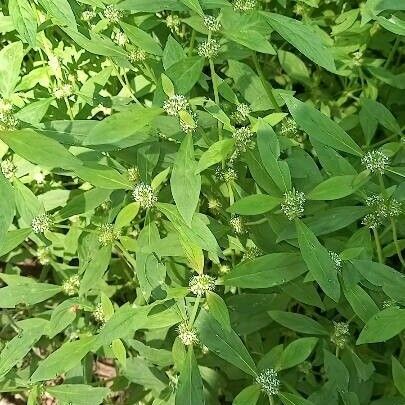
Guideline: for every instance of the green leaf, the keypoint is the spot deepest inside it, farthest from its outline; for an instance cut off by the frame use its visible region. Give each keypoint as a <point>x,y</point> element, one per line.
<point>292,399</point>
<point>269,149</point>
<point>141,39</point>
<point>293,66</point>
<point>122,125</point>
<point>185,73</point>
<point>318,261</point>
<point>219,114</point>
<point>12,239</point>
<point>7,208</point>
<point>398,374</point>
<point>254,204</point>
<point>190,387</point>
<point>126,215</point>
<point>266,271</point>
<point>28,294</point>
<point>103,176</point>
<point>383,326</point>
<point>304,38</point>
<point>11,57</point>
<point>393,24</point>
<point>334,188</point>
<point>119,351</point>
<point>33,113</point>
<point>16,348</point>
<point>62,316</point>
<point>194,5</point>
<point>380,113</point>
<point>321,128</point>
<point>185,184</point>
<point>78,394</point>
<point>225,344</point>
<point>60,12</point>
<point>215,153</point>
<point>218,309</point>
<point>296,352</point>
<point>63,359</point>
<point>299,323</point>
<point>248,396</point>
<point>24,20</point>
<point>39,149</point>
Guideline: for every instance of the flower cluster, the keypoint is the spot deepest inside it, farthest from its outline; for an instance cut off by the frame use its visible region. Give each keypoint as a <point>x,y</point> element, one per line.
<point>336,260</point>
<point>188,124</point>
<point>7,119</point>
<point>41,223</point>
<point>381,210</point>
<point>71,285</point>
<point>137,55</point>
<point>375,161</point>
<point>244,5</point>
<point>201,284</point>
<point>120,38</point>
<point>88,15</point>
<point>227,175</point>
<point>211,23</point>
<point>44,255</point>
<point>112,14</point>
<point>243,139</point>
<point>144,195</point>
<point>293,204</point>
<point>241,115</point>
<point>289,129</point>
<point>173,22</point>
<point>209,48</point>
<point>175,104</point>
<point>237,225</point>
<point>98,314</point>
<point>133,174</point>
<point>108,234</point>
<point>269,381</point>
<point>340,334</point>
<point>187,334</point>
<point>251,253</point>
<point>63,91</point>
<point>214,204</point>
<point>8,169</point>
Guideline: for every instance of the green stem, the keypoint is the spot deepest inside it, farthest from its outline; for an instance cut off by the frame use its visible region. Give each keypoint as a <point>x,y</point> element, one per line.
<point>378,246</point>
<point>397,247</point>
<point>392,53</point>
<point>266,84</point>
<point>216,95</point>
<point>195,309</point>
<point>271,399</point>
<point>192,40</point>
<point>125,85</point>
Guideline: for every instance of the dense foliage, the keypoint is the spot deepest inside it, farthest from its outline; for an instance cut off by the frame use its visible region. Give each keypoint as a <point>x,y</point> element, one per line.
<point>201,202</point>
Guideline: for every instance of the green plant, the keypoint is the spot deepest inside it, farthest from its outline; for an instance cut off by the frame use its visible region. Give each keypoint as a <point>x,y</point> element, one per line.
<point>201,202</point>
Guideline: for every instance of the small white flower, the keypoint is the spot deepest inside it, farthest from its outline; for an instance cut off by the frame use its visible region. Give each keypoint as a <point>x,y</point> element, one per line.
<point>224,269</point>
<point>341,334</point>
<point>375,161</point>
<point>62,91</point>
<point>137,55</point>
<point>209,48</point>
<point>227,175</point>
<point>120,38</point>
<point>214,204</point>
<point>293,204</point>
<point>212,23</point>
<point>173,22</point>
<point>244,5</point>
<point>243,139</point>
<point>41,223</point>
<point>144,195</point>
<point>88,15</point>
<point>357,58</point>
<point>8,169</point>
<point>269,381</point>
<point>112,14</point>
<point>242,113</point>
<point>108,234</point>
<point>336,260</point>
<point>71,285</point>
<point>44,255</point>
<point>5,107</point>
<point>187,334</point>
<point>394,208</point>
<point>201,284</point>
<point>372,221</point>
<point>237,225</point>
<point>289,128</point>
<point>251,253</point>
<point>133,174</point>
<point>98,314</point>
<point>175,104</point>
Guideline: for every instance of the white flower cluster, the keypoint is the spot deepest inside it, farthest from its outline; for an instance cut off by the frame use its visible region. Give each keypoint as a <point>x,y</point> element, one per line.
<point>227,175</point>
<point>88,15</point>
<point>187,334</point>
<point>63,91</point>
<point>209,48</point>
<point>108,234</point>
<point>7,168</point>
<point>144,195</point>
<point>340,334</point>
<point>176,103</point>
<point>44,255</point>
<point>243,139</point>
<point>201,284</point>
<point>98,313</point>
<point>41,223</point>
<point>71,285</point>
<point>289,128</point>
<point>111,14</point>
<point>269,381</point>
<point>237,225</point>
<point>375,161</point>
<point>241,114</point>
<point>212,23</point>
<point>137,55</point>
<point>381,210</point>
<point>214,204</point>
<point>336,260</point>
<point>244,5</point>
<point>7,119</point>
<point>293,204</point>
<point>251,253</point>
<point>133,174</point>
<point>120,38</point>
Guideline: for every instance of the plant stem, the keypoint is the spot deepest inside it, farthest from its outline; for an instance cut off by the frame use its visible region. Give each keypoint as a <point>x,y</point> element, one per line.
<point>125,85</point>
<point>266,84</point>
<point>195,309</point>
<point>271,399</point>
<point>397,247</point>
<point>378,246</point>
<point>192,40</point>
<point>216,95</point>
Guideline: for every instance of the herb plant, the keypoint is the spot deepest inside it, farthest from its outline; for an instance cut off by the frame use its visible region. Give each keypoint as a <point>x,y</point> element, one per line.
<point>201,202</point>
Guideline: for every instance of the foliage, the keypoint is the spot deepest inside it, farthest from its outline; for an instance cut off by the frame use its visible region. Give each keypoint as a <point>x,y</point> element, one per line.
<point>201,202</point>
